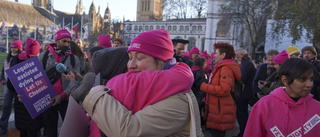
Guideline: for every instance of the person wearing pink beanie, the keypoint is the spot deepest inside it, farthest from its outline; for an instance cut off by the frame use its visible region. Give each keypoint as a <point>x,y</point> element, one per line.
<point>205,55</point>
<point>155,43</point>
<point>104,41</point>
<point>147,90</point>
<point>63,33</point>
<point>23,121</point>
<point>17,44</point>
<point>9,93</point>
<point>59,52</point>
<point>208,61</point>
<point>32,48</point>
<point>265,86</point>
<point>186,54</point>
<point>194,52</point>
<point>281,57</point>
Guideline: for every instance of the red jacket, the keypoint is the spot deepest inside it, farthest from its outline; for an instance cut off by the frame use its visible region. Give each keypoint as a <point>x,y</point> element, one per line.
<point>221,109</point>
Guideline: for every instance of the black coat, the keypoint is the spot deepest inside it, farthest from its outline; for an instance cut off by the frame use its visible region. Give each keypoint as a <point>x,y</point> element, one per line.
<point>315,91</point>
<point>247,74</point>
<point>261,74</point>
<point>23,120</point>
<point>184,60</point>
<point>200,76</point>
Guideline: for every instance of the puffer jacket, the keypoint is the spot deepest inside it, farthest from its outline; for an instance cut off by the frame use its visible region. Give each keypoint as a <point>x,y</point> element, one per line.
<point>221,109</point>
<point>169,117</point>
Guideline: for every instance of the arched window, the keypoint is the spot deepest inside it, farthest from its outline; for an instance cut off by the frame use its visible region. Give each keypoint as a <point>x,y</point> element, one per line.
<point>200,28</point>
<point>192,43</point>
<point>194,28</point>
<point>163,27</point>
<point>202,44</point>
<point>129,27</point>
<point>142,9</point>
<point>140,28</point>
<point>187,28</point>
<point>158,27</point>
<point>181,28</point>
<point>151,27</point>
<point>135,28</point>
<point>174,28</point>
<point>146,28</point>
<point>169,28</point>
<point>222,28</point>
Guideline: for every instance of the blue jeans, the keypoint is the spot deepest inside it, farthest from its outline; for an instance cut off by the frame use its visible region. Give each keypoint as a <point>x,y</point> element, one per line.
<point>6,109</point>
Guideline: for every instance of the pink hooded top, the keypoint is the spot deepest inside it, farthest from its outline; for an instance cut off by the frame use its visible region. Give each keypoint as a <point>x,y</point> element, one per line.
<point>138,90</point>
<point>279,115</point>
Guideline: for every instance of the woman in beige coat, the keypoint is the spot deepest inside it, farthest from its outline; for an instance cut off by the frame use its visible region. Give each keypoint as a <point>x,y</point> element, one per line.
<point>176,114</point>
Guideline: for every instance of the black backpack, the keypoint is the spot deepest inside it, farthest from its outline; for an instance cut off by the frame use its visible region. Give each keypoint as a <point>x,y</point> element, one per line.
<point>238,88</point>
<point>52,73</point>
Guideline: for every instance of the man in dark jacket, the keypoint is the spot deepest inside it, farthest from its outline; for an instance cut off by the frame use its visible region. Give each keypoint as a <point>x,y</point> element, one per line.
<point>247,74</point>
<point>265,72</point>
<point>59,52</point>
<point>309,53</point>
<point>179,46</point>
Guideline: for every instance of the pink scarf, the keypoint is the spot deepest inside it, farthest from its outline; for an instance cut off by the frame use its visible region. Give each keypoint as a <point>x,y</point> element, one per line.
<point>138,90</point>
<point>194,68</point>
<point>58,85</point>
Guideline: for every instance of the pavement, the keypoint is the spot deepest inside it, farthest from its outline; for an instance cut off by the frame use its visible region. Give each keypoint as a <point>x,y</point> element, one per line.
<point>230,133</point>
<point>12,126</point>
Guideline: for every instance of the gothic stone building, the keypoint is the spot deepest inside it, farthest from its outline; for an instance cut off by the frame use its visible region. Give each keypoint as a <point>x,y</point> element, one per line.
<point>41,14</point>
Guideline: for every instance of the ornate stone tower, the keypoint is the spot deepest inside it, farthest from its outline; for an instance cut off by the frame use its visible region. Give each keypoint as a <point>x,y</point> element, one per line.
<point>92,18</point>
<point>49,6</point>
<point>148,10</point>
<point>219,29</point>
<point>79,7</point>
<point>107,20</point>
<point>41,3</point>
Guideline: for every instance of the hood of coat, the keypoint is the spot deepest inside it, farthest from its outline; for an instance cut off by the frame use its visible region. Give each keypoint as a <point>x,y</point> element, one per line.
<point>235,67</point>
<point>281,94</point>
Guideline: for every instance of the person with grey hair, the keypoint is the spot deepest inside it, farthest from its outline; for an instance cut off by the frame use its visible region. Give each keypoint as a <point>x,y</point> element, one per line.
<point>265,72</point>
<point>247,74</point>
<point>45,45</point>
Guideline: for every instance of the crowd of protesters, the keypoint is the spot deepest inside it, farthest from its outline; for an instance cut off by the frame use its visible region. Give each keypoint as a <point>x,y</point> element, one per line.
<point>154,87</point>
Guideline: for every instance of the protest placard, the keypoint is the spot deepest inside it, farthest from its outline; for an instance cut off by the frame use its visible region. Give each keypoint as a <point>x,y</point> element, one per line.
<point>31,82</point>
<point>76,122</point>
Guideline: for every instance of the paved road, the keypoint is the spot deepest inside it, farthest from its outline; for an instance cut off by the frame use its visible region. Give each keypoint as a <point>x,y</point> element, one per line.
<point>230,133</point>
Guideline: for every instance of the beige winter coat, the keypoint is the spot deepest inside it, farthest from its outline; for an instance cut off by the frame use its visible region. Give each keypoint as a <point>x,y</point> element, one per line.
<point>169,117</point>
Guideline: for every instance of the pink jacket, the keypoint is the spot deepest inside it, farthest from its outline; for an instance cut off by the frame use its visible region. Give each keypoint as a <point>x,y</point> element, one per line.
<point>138,90</point>
<point>58,85</point>
<point>279,115</point>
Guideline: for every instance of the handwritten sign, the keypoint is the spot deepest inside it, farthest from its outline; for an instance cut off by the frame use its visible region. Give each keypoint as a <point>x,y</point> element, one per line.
<point>31,82</point>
